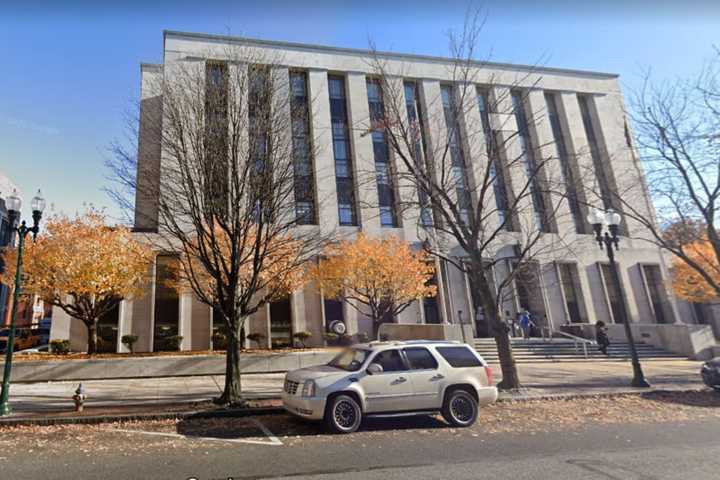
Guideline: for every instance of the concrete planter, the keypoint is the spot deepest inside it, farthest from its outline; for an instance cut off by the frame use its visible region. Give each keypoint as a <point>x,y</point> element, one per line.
<point>165,366</point>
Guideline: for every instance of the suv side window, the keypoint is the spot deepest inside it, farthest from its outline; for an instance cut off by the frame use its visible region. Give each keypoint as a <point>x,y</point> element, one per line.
<point>390,360</point>
<point>459,357</point>
<point>420,358</point>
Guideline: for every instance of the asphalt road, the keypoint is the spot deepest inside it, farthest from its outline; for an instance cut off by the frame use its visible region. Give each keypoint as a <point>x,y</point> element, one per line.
<point>555,446</point>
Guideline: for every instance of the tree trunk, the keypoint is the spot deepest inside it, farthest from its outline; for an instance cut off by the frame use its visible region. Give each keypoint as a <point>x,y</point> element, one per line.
<point>232,394</point>
<point>483,297</point>
<point>92,336</point>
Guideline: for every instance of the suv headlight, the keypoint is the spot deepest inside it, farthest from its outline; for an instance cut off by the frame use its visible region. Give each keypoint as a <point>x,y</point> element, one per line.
<point>309,388</point>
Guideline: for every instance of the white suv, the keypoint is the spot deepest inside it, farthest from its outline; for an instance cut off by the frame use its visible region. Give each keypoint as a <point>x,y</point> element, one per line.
<point>390,379</point>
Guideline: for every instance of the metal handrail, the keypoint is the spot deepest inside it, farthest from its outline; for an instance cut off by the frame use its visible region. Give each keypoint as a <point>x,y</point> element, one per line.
<point>583,341</point>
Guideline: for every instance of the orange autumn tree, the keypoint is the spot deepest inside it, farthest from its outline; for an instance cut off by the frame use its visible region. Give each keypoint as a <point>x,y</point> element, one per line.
<point>82,266</point>
<point>378,277</point>
<point>689,275</point>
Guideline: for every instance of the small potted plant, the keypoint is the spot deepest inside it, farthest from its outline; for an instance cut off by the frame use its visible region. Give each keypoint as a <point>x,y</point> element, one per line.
<point>129,341</point>
<point>302,337</point>
<point>255,337</point>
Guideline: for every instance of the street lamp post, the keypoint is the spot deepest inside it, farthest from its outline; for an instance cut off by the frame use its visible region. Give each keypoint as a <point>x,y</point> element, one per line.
<point>610,239</point>
<point>13,204</point>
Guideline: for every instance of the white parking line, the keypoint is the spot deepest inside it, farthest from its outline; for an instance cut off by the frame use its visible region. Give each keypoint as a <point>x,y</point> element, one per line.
<point>272,440</point>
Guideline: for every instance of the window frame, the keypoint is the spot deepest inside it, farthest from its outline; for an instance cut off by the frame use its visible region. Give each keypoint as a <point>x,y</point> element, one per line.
<point>400,354</point>
<point>410,364</point>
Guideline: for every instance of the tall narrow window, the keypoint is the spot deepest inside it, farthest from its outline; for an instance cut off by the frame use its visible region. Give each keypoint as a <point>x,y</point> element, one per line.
<point>496,172</point>
<point>571,187</point>
<point>417,131</point>
<point>341,149</point>
<point>259,101</point>
<point>383,172</point>
<point>302,147</point>
<point>656,291</point>
<point>613,293</point>
<point>529,163</point>
<point>167,304</point>
<point>571,290</point>
<point>215,163</point>
<point>457,159</point>
<point>600,170</point>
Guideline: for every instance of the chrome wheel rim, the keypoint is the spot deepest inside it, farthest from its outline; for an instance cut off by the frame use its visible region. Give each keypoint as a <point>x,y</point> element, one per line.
<point>462,409</point>
<point>345,414</point>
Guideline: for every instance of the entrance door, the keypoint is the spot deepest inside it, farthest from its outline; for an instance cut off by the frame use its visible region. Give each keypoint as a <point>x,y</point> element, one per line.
<point>281,324</point>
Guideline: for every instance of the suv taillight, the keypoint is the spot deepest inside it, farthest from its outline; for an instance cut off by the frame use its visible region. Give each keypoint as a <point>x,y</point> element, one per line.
<point>488,374</point>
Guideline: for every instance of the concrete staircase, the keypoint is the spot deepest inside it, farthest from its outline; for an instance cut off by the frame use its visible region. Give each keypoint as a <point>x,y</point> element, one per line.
<point>537,350</point>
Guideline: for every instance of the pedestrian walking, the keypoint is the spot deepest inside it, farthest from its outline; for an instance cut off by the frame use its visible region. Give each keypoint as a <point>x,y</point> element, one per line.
<point>601,337</point>
<point>525,324</point>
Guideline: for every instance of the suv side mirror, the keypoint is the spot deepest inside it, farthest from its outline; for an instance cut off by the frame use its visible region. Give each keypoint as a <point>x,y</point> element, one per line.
<point>374,369</point>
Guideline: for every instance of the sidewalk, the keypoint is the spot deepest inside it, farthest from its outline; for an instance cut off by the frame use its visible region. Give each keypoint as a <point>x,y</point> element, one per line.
<point>185,393</point>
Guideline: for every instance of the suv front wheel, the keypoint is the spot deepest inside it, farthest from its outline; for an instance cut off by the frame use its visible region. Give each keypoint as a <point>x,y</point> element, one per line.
<point>343,414</point>
<point>460,409</point>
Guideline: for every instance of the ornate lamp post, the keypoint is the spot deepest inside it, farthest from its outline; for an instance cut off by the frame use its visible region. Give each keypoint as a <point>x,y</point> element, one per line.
<point>13,204</point>
<point>610,239</point>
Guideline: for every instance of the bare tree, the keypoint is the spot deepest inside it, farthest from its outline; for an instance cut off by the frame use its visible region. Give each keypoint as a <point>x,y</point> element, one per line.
<point>484,194</point>
<point>234,158</point>
<point>677,126</point>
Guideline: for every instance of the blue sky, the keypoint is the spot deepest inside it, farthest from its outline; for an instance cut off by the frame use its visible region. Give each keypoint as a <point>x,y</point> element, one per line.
<point>69,73</point>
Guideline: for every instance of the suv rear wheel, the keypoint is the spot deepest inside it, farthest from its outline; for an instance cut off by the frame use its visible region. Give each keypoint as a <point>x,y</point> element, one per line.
<point>460,409</point>
<point>343,414</point>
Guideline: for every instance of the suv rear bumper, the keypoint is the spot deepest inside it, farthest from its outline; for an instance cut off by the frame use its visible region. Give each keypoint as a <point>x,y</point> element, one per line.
<point>312,408</point>
<point>487,395</point>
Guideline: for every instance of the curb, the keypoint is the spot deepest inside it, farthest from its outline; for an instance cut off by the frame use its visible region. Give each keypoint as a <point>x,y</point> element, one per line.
<point>245,412</point>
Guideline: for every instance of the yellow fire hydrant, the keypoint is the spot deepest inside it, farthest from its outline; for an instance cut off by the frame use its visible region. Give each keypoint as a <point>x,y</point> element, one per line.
<point>79,398</point>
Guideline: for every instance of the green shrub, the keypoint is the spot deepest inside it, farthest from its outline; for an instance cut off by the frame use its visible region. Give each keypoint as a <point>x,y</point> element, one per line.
<point>363,337</point>
<point>256,337</point>
<point>129,341</point>
<point>302,337</point>
<point>60,347</point>
<point>171,343</point>
<point>331,338</point>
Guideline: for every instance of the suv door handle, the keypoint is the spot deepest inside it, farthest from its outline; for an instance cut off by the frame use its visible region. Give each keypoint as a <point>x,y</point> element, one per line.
<point>400,380</point>
<point>439,376</point>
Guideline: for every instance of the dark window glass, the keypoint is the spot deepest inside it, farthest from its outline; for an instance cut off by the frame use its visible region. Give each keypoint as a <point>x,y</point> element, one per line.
<point>386,194</point>
<point>614,296</point>
<point>302,162</point>
<point>390,360</point>
<point>167,303</point>
<point>459,357</point>
<point>341,150</point>
<point>571,289</point>
<point>562,153</point>
<point>420,359</point>
<point>456,154</point>
<point>656,289</point>
<point>497,174</point>
<point>417,132</point>
<point>528,161</point>
<point>600,170</point>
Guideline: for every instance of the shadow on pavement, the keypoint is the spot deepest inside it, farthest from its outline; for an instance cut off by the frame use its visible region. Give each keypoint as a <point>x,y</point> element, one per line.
<point>707,399</point>
<point>290,426</point>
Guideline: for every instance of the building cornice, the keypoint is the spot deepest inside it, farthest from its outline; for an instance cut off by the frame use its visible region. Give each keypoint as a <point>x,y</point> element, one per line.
<point>388,55</point>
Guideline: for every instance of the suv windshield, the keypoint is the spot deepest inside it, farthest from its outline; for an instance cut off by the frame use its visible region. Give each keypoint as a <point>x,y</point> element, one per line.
<point>350,359</point>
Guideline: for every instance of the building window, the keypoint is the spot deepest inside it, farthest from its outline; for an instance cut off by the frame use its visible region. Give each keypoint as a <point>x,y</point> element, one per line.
<point>656,292</point>
<point>458,175</point>
<point>167,303</point>
<point>600,169</point>
<point>302,159</point>
<point>570,284</point>
<point>259,122</point>
<point>571,187</point>
<point>614,297</point>
<point>216,139</point>
<point>529,164</point>
<point>417,132</point>
<point>497,175</point>
<point>386,193</point>
<point>341,149</point>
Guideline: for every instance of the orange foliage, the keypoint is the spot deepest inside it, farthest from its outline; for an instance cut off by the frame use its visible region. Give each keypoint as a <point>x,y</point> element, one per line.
<point>688,284</point>
<point>82,257</point>
<point>384,274</point>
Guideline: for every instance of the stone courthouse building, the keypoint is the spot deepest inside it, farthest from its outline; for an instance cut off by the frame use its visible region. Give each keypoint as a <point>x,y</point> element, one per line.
<point>581,121</point>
